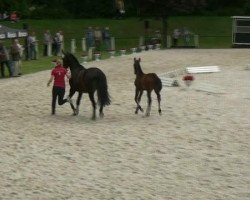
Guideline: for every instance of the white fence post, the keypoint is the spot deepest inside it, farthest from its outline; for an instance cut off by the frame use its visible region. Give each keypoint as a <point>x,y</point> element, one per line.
<point>73,46</point>
<point>112,43</point>
<point>49,49</point>
<point>169,41</point>
<point>84,47</point>
<point>90,53</point>
<point>141,41</point>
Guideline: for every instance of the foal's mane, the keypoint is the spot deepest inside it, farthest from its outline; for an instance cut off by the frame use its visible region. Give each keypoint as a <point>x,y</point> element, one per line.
<point>137,66</point>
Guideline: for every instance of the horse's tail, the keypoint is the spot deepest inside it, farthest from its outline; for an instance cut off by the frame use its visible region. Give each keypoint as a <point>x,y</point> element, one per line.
<point>102,90</point>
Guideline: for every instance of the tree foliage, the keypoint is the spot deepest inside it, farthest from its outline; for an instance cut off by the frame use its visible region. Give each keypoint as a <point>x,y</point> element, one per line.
<point>104,8</point>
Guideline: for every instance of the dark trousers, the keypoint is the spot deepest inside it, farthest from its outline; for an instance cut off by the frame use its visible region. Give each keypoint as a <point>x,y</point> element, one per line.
<point>57,92</point>
<point>32,52</point>
<point>7,63</point>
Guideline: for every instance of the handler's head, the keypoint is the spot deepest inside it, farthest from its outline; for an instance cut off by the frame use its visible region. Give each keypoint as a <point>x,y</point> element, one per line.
<point>57,61</point>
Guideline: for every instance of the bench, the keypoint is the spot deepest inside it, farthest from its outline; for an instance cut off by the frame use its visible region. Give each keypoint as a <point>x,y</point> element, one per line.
<point>204,69</point>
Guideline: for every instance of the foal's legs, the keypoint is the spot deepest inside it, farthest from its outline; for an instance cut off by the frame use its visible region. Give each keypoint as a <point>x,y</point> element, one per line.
<point>92,99</point>
<point>159,101</point>
<point>138,95</point>
<point>149,102</point>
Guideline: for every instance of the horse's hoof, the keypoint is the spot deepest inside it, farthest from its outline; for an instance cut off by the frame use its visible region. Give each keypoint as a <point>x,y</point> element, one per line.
<point>136,112</point>
<point>141,109</point>
<point>159,112</point>
<point>75,113</point>
<point>101,115</point>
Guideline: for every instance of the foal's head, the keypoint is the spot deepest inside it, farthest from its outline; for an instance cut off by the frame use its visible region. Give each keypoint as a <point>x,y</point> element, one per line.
<point>137,66</point>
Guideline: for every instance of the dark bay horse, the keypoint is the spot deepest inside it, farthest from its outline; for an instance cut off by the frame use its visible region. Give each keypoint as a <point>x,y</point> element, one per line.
<point>146,82</point>
<point>86,81</point>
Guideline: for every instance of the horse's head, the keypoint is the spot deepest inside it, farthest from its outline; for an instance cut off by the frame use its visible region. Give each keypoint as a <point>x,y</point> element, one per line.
<point>137,65</point>
<point>70,61</point>
<point>66,59</point>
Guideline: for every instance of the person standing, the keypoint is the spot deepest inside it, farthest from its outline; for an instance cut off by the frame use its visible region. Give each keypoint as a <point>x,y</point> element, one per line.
<point>107,38</point>
<point>186,35</point>
<point>46,42</point>
<point>4,60</point>
<point>120,9</point>
<point>16,52</point>
<point>32,42</point>
<point>98,38</point>
<point>13,17</point>
<point>61,40</point>
<point>58,75</point>
<point>176,35</point>
<point>90,37</point>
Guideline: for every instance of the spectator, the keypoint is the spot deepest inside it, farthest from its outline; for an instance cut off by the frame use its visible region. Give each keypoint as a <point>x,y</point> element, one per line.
<point>186,35</point>
<point>16,52</point>
<point>107,38</point>
<point>60,43</point>
<point>98,38</point>
<point>120,10</point>
<point>57,43</point>
<point>4,60</point>
<point>5,16</point>
<point>58,75</point>
<point>90,37</point>
<point>32,42</point>
<point>46,42</point>
<point>157,38</point>
<point>176,35</point>
<point>13,17</point>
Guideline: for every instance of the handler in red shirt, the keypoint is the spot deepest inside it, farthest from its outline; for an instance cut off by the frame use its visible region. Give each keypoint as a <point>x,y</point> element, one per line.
<point>58,75</point>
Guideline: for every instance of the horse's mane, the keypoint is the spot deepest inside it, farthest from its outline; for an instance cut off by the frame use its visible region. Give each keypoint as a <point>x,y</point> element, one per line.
<point>73,60</point>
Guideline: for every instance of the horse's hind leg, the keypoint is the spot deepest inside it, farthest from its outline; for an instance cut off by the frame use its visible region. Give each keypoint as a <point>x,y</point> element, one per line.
<point>92,99</point>
<point>101,114</point>
<point>149,103</point>
<point>159,101</point>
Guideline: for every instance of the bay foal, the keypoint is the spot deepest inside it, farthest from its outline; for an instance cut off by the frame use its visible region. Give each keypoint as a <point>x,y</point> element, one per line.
<point>146,82</point>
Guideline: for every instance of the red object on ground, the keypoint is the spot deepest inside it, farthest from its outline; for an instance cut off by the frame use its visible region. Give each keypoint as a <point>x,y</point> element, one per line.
<point>188,78</point>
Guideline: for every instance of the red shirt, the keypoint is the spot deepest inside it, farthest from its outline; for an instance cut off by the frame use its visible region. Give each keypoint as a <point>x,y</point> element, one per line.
<point>59,73</point>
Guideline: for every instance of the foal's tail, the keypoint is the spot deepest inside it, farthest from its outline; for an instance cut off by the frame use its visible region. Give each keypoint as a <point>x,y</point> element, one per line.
<point>158,86</point>
<point>102,90</point>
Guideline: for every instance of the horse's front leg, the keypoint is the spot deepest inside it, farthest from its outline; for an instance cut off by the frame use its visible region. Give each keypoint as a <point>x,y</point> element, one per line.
<point>78,101</point>
<point>138,95</point>
<point>71,93</point>
<point>92,99</point>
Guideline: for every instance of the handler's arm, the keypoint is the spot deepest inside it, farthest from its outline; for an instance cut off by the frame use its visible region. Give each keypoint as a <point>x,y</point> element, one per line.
<point>50,80</point>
